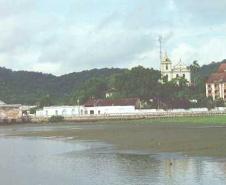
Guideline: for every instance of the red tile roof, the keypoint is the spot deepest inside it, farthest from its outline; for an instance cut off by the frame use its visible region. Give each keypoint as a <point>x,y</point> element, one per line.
<point>217,78</point>
<point>111,102</point>
<point>222,68</point>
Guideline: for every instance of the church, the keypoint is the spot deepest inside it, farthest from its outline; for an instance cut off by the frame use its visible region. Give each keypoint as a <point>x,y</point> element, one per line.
<point>177,71</point>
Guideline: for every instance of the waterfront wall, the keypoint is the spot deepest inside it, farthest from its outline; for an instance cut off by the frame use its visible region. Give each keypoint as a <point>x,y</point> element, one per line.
<point>140,115</point>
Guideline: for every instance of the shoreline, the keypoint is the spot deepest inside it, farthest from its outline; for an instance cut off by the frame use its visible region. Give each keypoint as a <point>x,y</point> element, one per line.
<point>155,116</point>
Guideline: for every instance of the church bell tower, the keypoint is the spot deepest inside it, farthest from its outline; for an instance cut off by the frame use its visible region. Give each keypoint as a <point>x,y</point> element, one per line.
<point>166,68</point>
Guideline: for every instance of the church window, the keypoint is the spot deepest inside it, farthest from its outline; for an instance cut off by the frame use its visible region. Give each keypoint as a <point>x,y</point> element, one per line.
<point>167,78</point>
<point>167,67</point>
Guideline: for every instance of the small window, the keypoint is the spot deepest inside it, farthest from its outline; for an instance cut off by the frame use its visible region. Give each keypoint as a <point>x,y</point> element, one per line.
<point>91,112</point>
<point>177,75</point>
<point>183,75</point>
<point>81,112</point>
<point>56,112</point>
<point>98,111</point>
<point>167,67</point>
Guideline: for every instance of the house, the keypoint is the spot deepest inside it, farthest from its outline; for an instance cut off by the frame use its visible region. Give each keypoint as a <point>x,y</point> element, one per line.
<point>170,72</point>
<point>10,112</point>
<point>216,83</point>
<point>110,93</point>
<point>114,102</point>
<point>111,106</point>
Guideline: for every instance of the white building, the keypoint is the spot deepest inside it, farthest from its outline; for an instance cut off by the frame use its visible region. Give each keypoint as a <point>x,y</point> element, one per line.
<point>93,107</point>
<point>171,72</point>
<point>73,111</point>
<point>65,111</point>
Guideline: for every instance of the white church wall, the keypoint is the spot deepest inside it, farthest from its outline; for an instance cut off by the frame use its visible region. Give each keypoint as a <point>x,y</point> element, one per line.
<point>178,70</point>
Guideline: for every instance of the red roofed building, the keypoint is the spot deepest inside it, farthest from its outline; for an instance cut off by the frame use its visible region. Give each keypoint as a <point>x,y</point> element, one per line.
<point>216,83</point>
<point>114,102</point>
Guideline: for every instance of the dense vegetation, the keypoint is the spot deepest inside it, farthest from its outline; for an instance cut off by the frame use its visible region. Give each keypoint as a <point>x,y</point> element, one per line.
<point>145,83</point>
<point>38,88</point>
<point>46,89</point>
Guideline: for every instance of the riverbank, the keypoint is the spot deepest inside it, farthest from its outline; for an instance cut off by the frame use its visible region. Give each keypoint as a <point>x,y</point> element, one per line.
<point>147,116</point>
<point>200,136</point>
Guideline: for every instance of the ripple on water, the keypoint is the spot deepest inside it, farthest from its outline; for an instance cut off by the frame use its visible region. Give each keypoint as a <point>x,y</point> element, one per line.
<point>57,161</point>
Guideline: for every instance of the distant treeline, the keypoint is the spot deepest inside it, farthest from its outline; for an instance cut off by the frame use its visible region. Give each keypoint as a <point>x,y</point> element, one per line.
<point>46,89</point>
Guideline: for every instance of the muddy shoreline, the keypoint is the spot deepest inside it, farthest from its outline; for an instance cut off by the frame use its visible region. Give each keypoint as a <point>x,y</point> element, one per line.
<point>189,139</point>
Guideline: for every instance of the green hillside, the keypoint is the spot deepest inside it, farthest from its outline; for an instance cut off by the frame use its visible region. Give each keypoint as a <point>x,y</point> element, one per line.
<point>29,87</point>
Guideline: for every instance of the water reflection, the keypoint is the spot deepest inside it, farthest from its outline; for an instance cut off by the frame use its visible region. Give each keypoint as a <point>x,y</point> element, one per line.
<point>28,161</point>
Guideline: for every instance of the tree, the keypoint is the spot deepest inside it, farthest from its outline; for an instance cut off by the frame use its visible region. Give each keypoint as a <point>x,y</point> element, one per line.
<point>45,101</point>
<point>138,82</point>
<point>195,68</point>
<point>94,88</point>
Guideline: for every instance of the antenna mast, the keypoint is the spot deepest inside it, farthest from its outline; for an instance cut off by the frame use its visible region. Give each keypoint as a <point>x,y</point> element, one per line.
<point>160,48</point>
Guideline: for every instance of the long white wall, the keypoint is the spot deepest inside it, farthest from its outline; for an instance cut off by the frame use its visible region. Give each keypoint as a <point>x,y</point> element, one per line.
<point>71,111</point>
<point>66,111</point>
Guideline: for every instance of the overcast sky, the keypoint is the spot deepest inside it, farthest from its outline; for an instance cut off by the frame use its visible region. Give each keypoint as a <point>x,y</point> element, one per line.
<point>63,36</point>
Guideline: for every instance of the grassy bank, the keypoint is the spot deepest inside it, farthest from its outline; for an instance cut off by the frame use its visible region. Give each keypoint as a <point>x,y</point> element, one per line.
<point>195,120</point>
<point>216,119</point>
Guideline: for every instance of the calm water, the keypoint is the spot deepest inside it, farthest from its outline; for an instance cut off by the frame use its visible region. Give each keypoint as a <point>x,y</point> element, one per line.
<point>63,161</point>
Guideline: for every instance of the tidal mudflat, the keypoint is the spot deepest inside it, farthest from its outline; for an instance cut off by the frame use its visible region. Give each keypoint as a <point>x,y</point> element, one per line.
<point>113,153</point>
<point>153,136</point>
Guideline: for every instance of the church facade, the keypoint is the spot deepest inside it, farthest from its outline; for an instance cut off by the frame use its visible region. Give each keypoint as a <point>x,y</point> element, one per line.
<point>170,72</point>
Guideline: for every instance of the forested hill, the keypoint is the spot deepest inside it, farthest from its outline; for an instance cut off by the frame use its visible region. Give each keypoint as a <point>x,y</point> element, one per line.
<point>28,87</point>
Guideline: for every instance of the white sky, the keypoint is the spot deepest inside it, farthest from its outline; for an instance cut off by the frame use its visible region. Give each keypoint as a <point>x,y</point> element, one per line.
<point>56,36</point>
